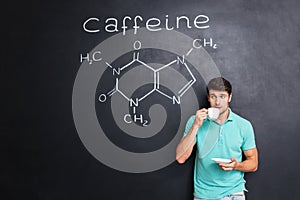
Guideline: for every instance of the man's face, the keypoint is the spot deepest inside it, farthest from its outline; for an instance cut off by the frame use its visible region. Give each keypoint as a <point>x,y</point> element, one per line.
<point>219,99</point>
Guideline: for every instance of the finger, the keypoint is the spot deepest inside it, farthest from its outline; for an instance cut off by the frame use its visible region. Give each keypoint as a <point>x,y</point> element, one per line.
<point>203,110</point>
<point>201,116</point>
<point>227,168</point>
<point>231,165</point>
<point>224,165</point>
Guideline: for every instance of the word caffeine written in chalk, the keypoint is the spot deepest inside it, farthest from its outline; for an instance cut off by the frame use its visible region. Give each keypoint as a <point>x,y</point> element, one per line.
<point>112,25</point>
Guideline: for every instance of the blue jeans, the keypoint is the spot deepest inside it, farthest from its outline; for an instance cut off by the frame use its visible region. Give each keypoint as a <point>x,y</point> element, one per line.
<point>228,197</point>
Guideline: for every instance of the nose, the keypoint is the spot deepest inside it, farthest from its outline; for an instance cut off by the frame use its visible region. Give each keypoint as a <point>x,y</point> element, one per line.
<point>217,101</point>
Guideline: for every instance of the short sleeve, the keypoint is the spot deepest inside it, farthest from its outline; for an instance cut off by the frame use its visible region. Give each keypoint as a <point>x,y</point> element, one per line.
<point>248,137</point>
<point>189,124</point>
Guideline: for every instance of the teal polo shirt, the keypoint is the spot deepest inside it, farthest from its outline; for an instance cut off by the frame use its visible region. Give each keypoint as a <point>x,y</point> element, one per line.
<point>216,140</point>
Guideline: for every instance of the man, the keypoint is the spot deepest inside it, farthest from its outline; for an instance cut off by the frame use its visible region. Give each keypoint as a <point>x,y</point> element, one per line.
<point>229,136</point>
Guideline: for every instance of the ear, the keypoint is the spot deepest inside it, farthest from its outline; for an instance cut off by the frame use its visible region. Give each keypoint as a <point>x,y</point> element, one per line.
<point>207,97</point>
<point>230,98</point>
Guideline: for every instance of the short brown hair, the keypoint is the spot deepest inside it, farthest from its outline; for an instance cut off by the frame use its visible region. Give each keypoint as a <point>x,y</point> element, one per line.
<point>219,83</point>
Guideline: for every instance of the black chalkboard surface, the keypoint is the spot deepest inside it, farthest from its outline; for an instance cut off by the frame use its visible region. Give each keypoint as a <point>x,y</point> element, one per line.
<point>44,152</point>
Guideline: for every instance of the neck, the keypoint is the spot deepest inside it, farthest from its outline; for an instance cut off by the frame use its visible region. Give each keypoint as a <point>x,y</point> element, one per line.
<point>223,116</point>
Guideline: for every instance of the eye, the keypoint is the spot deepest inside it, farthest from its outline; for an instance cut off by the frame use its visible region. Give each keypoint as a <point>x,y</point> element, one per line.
<point>212,96</point>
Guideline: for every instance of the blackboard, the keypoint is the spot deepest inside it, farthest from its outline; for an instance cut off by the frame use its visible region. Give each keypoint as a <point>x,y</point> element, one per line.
<point>44,157</point>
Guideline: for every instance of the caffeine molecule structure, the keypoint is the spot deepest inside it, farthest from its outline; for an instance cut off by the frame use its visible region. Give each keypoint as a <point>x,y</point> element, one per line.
<point>156,83</point>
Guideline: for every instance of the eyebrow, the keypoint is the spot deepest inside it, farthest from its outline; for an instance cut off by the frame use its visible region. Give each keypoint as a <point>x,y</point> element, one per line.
<point>222,94</point>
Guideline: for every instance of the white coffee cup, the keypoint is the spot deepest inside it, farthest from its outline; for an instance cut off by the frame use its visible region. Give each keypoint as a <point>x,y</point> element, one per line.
<point>213,113</point>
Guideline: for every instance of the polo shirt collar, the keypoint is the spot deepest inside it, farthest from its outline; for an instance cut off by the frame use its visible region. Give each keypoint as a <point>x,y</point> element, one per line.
<point>230,117</point>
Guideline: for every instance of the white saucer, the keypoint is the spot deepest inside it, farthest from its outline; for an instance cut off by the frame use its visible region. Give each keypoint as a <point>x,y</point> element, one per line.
<point>222,160</point>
